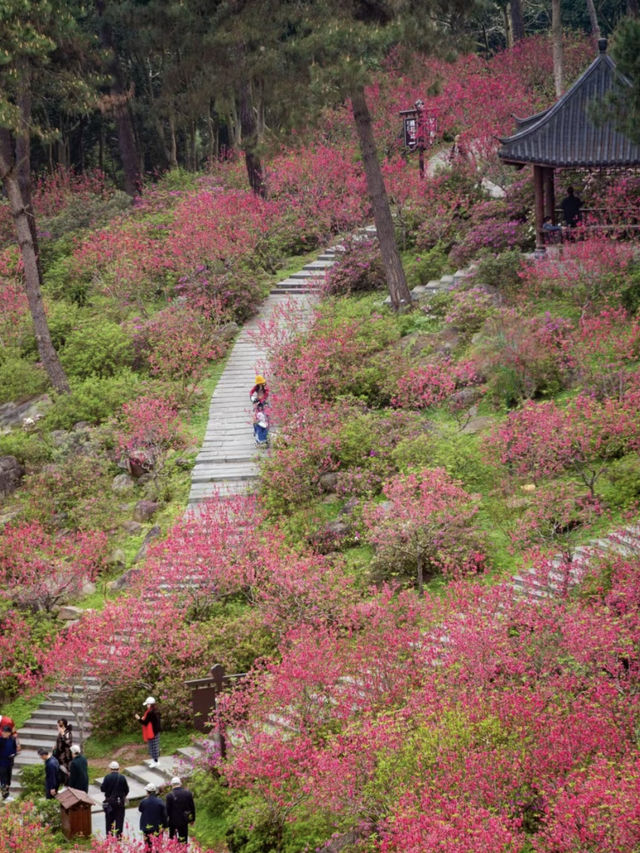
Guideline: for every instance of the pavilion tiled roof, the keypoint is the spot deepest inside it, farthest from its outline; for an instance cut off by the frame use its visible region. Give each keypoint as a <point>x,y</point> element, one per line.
<point>565,135</point>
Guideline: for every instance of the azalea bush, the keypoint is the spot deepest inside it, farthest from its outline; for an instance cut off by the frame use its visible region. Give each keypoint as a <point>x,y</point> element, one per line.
<point>592,274</point>
<point>425,526</point>
<point>358,269</point>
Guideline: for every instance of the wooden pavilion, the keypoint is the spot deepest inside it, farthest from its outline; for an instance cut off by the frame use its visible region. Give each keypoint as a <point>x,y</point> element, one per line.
<point>565,137</point>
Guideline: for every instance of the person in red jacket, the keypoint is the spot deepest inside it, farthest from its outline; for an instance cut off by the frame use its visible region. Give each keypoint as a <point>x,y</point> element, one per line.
<point>151,730</point>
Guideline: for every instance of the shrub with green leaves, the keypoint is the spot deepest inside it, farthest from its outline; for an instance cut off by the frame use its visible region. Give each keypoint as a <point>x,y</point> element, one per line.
<point>98,348</point>
<point>501,271</point>
<point>73,494</point>
<point>429,264</point>
<point>95,400</point>
<point>29,448</point>
<point>21,379</point>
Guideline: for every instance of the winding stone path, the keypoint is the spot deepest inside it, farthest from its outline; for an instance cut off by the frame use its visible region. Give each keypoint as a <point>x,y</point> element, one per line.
<point>227,464</point>
<point>228,461</point>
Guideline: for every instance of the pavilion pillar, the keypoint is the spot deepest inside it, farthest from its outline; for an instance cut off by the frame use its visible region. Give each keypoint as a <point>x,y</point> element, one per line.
<point>538,189</point>
<point>549,193</point>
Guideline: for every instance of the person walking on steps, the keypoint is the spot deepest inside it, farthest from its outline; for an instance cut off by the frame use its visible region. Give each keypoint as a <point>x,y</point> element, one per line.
<point>151,730</point>
<point>62,749</point>
<point>115,789</point>
<point>8,749</point>
<point>181,810</point>
<point>78,770</point>
<point>153,816</point>
<point>52,773</point>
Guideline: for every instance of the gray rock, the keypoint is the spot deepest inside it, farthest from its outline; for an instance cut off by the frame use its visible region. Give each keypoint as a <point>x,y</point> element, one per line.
<point>145,510</point>
<point>67,613</point>
<point>479,424</point>
<point>465,398</point>
<point>229,331</point>
<point>11,474</point>
<point>13,414</point>
<point>117,559</point>
<point>349,507</point>
<point>337,528</point>
<point>121,484</point>
<point>328,482</point>
<point>124,580</point>
<point>154,533</point>
<point>58,437</point>
<point>88,588</point>
<point>132,527</point>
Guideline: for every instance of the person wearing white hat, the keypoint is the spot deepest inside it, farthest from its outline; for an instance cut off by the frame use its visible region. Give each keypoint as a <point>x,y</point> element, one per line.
<point>115,789</point>
<point>153,815</point>
<point>151,730</point>
<point>78,770</point>
<point>181,810</point>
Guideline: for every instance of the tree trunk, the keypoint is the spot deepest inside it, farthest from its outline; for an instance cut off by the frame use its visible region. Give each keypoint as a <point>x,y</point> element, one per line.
<point>517,20</point>
<point>556,37</point>
<point>593,17</point>
<point>420,573</point>
<point>173,144</point>
<point>249,131</point>
<point>396,280</point>
<point>632,8</point>
<point>25,228</point>
<point>508,32</point>
<point>122,114</point>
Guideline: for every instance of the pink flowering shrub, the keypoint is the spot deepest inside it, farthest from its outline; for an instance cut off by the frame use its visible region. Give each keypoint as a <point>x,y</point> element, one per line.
<point>425,526</point>
<point>179,344</point>
<point>592,274</point>
<point>358,269</point>
<point>150,426</point>
<point>490,236</point>
<point>469,309</point>
<point>543,440</point>
<point>39,569</point>
<point>526,357</point>
<point>433,383</point>
<point>555,511</point>
<point>22,832</point>
<point>605,345</point>
<point>24,639</point>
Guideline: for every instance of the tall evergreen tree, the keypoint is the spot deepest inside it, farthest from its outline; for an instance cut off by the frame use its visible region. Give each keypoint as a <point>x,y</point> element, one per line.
<point>622,104</point>
<point>34,64</point>
<point>325,51</point>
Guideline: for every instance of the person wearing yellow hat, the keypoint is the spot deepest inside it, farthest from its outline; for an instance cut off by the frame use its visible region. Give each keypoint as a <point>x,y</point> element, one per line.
<point>258,396</point>
<point>260,392</point>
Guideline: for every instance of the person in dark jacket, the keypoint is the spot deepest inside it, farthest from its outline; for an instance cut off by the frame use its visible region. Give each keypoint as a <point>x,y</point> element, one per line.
<point>51,773</point>
<point>115,789</point>
<point>62,749</point>
<point>571,208</point>
<point>151,730</point>
<point>181,810</point>
<point>78,770</point>
<point>153,815</point>
<point>8,749</point>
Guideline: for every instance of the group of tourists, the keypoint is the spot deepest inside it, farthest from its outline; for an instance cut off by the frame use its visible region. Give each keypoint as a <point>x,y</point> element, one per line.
<point>571,207</point>
<point>175,813</point>
<point>64,765</point>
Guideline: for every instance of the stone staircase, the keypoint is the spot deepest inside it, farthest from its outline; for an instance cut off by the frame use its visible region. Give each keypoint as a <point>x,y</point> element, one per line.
<point>228,463</point>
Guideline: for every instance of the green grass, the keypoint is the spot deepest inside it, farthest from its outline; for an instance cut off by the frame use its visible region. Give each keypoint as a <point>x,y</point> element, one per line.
<point>97,746</point>
<point>20,709</point>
